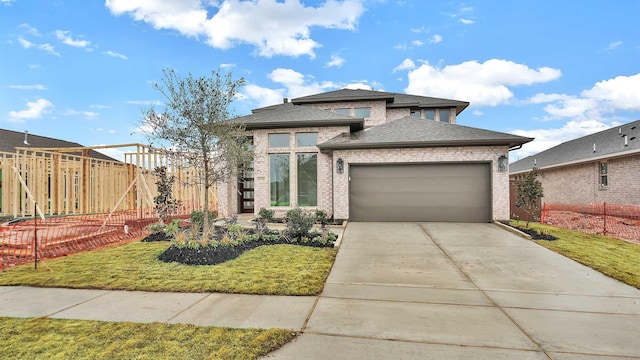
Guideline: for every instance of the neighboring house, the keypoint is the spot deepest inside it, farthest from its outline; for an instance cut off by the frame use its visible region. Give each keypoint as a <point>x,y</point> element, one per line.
<point>373,156</point>
<point>10,140</point>
<point>602,167</point>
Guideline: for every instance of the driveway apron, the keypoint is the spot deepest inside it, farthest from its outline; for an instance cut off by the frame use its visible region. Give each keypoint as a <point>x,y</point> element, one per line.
<point>459,290</point>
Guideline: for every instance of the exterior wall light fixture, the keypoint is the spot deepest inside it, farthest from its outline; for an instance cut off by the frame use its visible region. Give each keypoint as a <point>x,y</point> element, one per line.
<point>339,166</point>
<point>502,163</point>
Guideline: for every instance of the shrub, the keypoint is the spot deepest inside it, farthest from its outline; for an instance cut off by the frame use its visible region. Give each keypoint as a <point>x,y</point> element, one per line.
<point>197,217</point>
<point>266,214</point>
<point>299,223</point>
<point>173,228</point>
<point>156,228</point>
<point>165,204</point>
<point>322,218</point>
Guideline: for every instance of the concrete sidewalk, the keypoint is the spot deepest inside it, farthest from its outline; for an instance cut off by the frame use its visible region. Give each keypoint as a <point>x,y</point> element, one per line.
<point>205,309</point>
<point>464,291</point>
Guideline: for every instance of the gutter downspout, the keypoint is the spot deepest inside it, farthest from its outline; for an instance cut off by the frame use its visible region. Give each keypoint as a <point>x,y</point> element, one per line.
<point>333,190</point>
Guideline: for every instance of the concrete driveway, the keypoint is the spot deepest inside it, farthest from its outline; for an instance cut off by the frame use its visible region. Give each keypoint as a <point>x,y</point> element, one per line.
<point>463,291</point>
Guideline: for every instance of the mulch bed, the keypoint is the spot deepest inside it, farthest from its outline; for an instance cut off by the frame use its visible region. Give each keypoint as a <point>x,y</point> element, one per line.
<point>535,235</point>
<point>160,236</point>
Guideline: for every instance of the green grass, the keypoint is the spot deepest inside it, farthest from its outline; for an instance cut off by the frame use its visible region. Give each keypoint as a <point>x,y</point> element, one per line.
<point>266,270</point>
<point>81,339</point>
<point>613,257</point>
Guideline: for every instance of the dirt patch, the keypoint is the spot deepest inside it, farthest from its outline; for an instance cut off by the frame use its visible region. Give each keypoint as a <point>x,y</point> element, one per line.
<point>624,228</point>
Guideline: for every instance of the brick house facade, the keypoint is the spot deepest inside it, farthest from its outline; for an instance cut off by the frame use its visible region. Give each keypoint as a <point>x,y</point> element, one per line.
<point>363,128</point>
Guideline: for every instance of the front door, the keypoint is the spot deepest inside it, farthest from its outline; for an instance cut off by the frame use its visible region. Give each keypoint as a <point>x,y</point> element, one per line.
<point>245,185</point>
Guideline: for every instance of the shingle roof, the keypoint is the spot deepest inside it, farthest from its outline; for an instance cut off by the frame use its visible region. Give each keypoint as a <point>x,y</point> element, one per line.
<point>9,140</point>
<point>290,115</point>
<point>414,132</point>
<point>394,99</point>
<point>608,143</point>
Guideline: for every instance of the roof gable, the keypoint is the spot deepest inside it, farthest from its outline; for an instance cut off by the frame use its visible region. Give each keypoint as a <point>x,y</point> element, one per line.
<point>414,132</point>
<point>290,115</point>
<point>394,100</point>
<point>604,144</point>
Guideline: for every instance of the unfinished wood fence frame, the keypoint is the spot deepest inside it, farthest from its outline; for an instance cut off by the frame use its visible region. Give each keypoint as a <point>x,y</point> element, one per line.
<point>67,181</point>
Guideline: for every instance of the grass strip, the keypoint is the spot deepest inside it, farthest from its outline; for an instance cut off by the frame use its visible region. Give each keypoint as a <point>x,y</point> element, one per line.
<point>38,338</point>
<point>616,258</point>
<point>266,270</point>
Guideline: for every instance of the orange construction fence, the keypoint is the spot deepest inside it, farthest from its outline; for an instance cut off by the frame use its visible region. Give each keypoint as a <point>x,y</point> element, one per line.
<point>28,241</point>
<point>615,220</point>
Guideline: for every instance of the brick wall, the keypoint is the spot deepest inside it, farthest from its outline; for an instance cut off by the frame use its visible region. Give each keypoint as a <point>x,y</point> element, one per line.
<point>378,110</point>
<point>500,180</point>
<point>580,184</point>
<point>228,203</point>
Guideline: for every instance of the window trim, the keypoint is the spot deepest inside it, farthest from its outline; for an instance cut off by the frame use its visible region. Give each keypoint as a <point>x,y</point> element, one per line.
<point>603,174</point>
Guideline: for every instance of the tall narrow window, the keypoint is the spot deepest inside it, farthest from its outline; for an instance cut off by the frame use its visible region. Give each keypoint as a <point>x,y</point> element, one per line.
<point>307,179</point>
<point>279,180</point>
<point>444,115</point>
<point>604,174</point>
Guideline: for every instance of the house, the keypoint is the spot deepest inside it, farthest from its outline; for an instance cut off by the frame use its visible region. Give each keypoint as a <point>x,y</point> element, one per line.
<point>10,140</point>
<point>601,167</point>
<point>372,156</point>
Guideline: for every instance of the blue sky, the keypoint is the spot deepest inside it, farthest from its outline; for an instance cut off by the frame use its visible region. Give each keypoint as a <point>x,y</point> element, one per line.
<point>554,70</point>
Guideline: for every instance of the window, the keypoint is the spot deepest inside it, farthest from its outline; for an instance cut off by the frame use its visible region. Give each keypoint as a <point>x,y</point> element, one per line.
<point>307,179</point>
<point>306,139</point>
<point>604,174</point>
<point>429,114</point>
<point>279,179</point>
<point>363,112</point>
<point>444,115</point>
<point>278,140</point>
<point>343,111</point>
<point>415,113</point>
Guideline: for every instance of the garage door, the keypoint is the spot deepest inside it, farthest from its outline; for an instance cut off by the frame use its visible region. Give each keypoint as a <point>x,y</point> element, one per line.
<point>420,192</point>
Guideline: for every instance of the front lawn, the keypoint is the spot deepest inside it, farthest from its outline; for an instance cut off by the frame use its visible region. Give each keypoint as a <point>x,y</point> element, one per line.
<point>613,257</point>
<point>266,270</point>
<point>81,339</point>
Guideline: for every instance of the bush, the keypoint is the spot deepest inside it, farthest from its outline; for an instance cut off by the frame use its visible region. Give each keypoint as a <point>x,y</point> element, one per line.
<point>156,228</point>
<point>266,214</point>
<point>299,223</point>
<point>197,217</point>
<point>173,228</point>
<point>322,218</point>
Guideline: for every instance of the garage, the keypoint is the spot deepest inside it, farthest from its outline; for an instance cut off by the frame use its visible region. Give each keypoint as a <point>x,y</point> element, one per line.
<point>458,192</point>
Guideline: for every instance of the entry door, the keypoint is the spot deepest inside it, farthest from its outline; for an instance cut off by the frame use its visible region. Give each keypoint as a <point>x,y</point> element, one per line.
<point>246,190</point>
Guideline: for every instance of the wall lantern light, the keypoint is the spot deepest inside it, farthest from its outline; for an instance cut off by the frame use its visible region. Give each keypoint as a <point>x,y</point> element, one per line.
<point>339,166</point>
<point>502,163</point>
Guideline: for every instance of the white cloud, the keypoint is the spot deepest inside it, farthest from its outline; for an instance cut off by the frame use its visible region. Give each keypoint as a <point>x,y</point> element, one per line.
<point>25,43</point>
<point>621,92</point>
<point>336,61</point>
<point>34,110</point>
<point>6,2</point>
<point>467,21</point>
<point>227,66</point>
<point>477,112</point>
<point>263,96</point>
<point>115,153</point>
<point>28,87</point>
<point>86,114</point>
<point>479,83</point>
<point>29,29</point>
<point>435,39</point>
<point>145,102</point>
<point>407,64</point>
<point>274,28</point>
<point>613,45</point>
<point>417,43</point>
<point>115,54</point>
<point>356,86</point>
<point>68,40</point>
<point>48,48</point>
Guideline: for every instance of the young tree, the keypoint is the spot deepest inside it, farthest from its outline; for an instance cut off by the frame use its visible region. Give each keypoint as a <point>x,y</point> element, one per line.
<point>195,124</point>
<point>528,194</point>
<point>165,204</point>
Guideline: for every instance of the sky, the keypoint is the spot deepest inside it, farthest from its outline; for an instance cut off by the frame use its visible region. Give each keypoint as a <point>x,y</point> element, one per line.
<point>83,71</point>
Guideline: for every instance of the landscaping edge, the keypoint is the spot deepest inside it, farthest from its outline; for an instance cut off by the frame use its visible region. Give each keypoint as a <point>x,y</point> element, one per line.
<point>513,230</point>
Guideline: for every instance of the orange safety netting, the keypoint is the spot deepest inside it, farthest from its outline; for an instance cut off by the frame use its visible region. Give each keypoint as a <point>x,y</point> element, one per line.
<point>60,236</point>
<point>615,220</point>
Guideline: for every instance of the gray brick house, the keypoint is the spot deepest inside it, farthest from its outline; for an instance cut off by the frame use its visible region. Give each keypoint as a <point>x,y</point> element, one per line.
<point>601,167</point>
<point>373,156</point>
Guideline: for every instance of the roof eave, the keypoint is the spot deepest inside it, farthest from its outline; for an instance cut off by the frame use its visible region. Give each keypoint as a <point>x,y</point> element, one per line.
<point>422,144</point>
<point>354,125</point>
